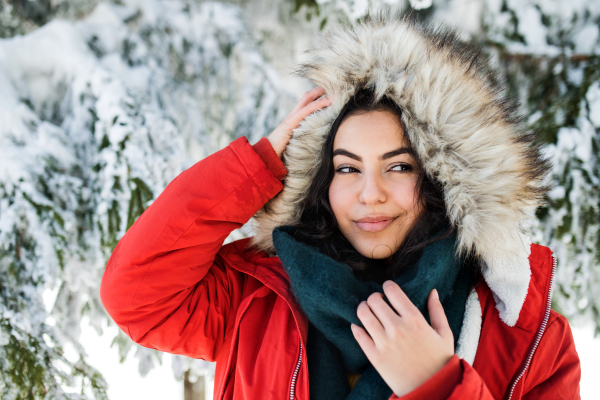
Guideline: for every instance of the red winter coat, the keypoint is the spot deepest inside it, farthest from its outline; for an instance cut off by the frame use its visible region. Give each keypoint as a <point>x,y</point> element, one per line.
<point>171,285</point>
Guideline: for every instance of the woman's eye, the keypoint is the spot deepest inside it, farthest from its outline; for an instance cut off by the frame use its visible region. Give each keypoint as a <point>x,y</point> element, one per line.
<point>346,170</point>
<point>402,167</point>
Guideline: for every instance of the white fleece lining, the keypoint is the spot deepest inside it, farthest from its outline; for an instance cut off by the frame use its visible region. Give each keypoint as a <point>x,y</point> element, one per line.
<point>468,341</point>
<point>508,277</point>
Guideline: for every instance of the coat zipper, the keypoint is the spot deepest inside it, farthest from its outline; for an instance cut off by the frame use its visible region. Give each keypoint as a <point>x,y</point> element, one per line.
<point>540,332</point>
<point>296,370</point>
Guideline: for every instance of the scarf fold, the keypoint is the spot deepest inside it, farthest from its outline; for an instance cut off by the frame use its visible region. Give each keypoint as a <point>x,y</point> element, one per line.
<point>329,295</point>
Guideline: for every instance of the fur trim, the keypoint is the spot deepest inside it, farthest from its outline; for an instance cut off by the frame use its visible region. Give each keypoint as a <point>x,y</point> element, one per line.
<point>464,131</point>
<point>468,341</point>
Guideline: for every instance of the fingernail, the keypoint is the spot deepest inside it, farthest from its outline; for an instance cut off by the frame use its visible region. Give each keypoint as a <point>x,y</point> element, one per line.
<point>389,283</point>
<point>435,293</point>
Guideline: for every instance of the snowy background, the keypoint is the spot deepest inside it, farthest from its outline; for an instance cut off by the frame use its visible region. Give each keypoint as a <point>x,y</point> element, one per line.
<point>105,102</point>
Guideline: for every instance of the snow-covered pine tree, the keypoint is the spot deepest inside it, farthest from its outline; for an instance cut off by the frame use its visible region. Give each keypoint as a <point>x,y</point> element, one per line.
<point>18,17</point>
<point>39,210</point>
<point>98,116</point>
<point>550,54</point>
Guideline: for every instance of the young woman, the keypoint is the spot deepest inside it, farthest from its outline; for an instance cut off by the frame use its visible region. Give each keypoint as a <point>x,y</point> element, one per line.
<point>389,259</point>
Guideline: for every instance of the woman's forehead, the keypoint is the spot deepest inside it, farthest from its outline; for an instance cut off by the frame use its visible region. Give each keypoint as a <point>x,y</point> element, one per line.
<point>371,132</point>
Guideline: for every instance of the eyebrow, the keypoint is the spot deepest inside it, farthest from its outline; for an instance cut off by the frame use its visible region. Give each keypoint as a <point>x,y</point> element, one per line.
<point>401,150</point>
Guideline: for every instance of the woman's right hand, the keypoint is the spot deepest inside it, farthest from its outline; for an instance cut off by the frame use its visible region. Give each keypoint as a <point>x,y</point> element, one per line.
<point>308,104</point>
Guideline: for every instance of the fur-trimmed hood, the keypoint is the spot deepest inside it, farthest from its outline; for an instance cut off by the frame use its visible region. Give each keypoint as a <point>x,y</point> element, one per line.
<point>463,129</point>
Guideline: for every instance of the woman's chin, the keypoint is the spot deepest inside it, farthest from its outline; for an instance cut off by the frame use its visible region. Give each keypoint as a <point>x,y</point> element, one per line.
<point>378,252</point>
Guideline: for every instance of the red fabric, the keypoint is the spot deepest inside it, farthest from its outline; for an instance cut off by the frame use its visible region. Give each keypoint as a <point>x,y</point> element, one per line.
<point>266,152</point>
<point>440,385</point>
<point>172,285</point>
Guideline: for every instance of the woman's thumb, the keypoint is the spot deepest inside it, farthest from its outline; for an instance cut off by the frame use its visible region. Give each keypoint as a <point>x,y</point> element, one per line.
<point>437,316</point>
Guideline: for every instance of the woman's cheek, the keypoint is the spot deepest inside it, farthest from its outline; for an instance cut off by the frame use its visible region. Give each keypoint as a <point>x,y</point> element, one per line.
<point>341,201</point>
<point>405,195</point>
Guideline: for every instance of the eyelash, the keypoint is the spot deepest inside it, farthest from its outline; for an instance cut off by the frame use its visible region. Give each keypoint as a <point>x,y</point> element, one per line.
<point>407,167</point>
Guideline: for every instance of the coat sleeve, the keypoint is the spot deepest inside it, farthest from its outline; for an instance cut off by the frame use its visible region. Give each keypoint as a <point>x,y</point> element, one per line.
<point>554,372</point>
<point>164,284</point>
<point>457,380</point>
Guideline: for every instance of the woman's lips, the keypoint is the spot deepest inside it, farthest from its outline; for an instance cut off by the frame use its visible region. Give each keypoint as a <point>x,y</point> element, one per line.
<point>374,226</point>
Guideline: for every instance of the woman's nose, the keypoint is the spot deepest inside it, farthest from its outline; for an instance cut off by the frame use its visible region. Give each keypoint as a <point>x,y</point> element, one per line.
<point>373,190</point>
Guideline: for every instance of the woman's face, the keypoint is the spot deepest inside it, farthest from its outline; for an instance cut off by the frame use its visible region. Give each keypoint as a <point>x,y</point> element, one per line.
<point>373,191</point>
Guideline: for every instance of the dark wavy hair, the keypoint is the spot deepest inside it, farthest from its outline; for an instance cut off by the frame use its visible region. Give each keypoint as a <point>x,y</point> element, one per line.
<point>318,226</point>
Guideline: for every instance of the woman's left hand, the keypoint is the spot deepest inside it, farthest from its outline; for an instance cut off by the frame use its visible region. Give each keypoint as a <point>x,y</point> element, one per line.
<point>403,347</point>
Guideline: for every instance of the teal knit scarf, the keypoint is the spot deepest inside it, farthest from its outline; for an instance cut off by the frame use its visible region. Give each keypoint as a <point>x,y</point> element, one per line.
<point>329,295</point>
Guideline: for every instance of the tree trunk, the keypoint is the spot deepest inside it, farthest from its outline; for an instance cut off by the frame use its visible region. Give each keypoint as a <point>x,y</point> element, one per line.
<point>193,390</point>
